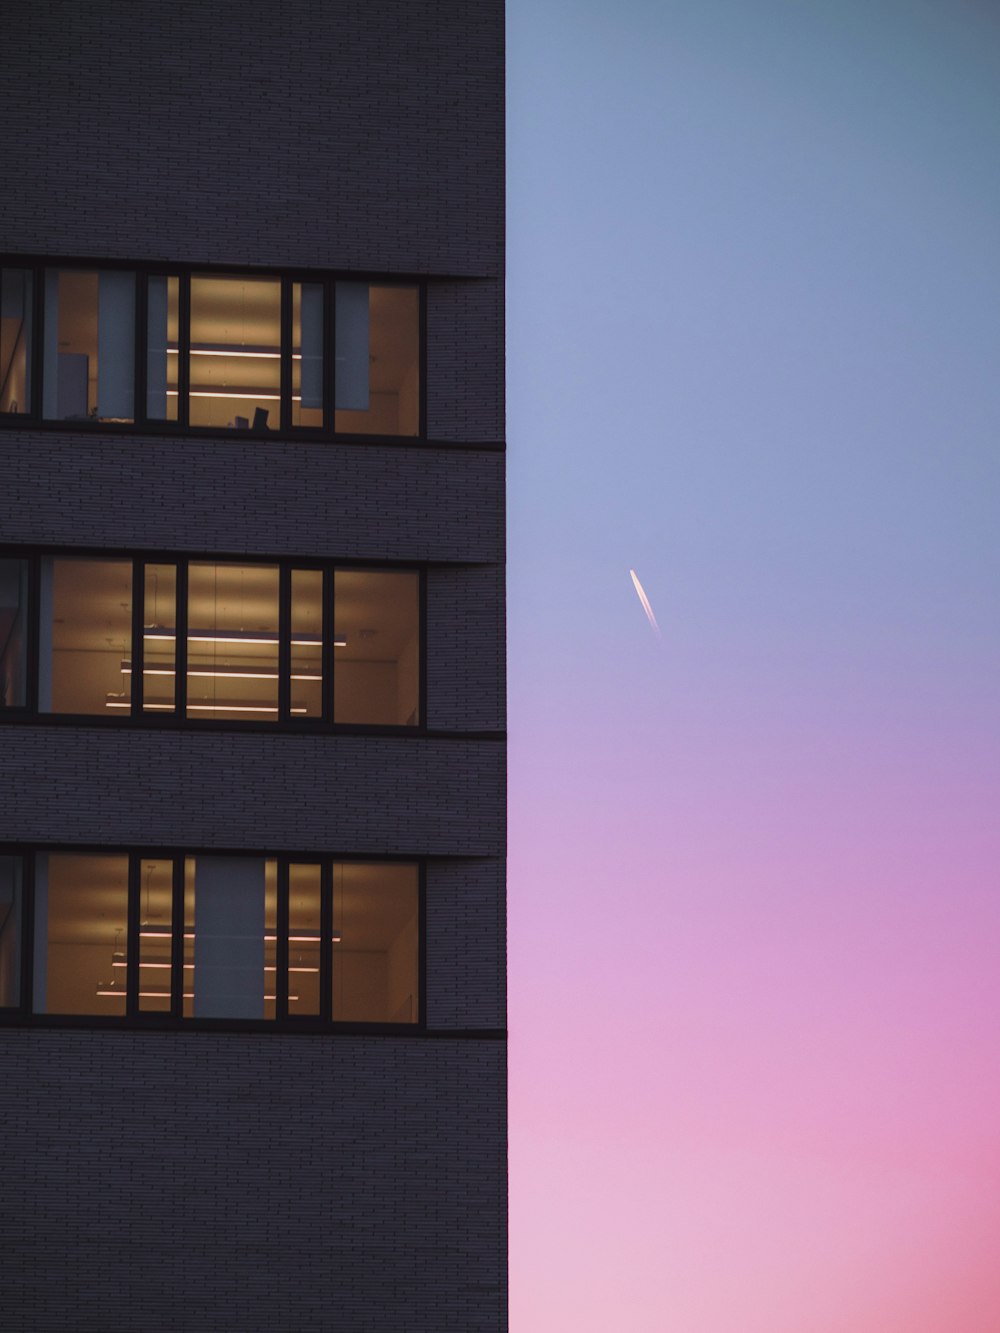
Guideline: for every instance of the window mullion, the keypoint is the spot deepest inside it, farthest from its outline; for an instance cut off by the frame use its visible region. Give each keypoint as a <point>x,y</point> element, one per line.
<point>326,942</point>
<point>281,945</point>
<point>183,350</point>
<point>422,650</point>
<point>137,654</point>
<point>284,642</point>
<point>32,626</point>
<point>177,941</point>
<point>329,357</point>
<point>181,641</point>
<point>422,361</point>
<point>327,648</point>
<point>422,944</point>
<point>37,340</point>
<point>141,325</point>
<point>285,416</point>
<point>26,998</point>
<point>132,938</point>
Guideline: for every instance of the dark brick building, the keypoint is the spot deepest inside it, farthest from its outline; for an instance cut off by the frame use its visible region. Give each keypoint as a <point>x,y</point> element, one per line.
<point>252,800</point>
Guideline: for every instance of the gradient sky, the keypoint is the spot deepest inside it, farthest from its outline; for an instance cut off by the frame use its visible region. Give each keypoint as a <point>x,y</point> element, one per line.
<point>754,324</point>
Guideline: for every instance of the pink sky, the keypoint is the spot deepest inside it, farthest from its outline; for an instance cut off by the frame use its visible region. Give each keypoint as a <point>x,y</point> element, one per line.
<point>754,889</point>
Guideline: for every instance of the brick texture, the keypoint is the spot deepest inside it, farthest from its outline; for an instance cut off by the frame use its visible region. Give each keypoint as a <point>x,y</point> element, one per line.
<point>223,789</point>
<point>466,944</point>
<point>328,135</point>
<point>198,1181</point>
<point>175,1181</point>
<point>271,498</point>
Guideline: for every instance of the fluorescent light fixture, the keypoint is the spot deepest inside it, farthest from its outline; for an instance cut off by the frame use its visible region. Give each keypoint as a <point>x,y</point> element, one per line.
<point>220,349</point>
<point>165,994</point>
<point>164,934</point>
<point>116,701</point>
<point>189,967</point>
<point>233,673</point>
<point>241,636</point>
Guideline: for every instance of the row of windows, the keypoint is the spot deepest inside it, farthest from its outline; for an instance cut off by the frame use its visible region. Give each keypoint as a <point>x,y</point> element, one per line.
<point>195,639</point>
<point>147,937</point>
<point>220,351</point>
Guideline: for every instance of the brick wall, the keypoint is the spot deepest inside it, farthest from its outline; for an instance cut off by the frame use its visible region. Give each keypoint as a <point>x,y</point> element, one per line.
<point>187,1181</point>
<point>202,1181</point>
<point>331,135</point>
<point>366,501</point>
<point>227,789</point>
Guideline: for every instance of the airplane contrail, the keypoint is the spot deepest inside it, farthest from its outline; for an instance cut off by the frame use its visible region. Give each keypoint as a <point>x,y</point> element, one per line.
<point>645,601</point>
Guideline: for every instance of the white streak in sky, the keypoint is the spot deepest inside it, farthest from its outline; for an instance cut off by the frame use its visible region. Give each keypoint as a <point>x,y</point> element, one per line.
<point>645,602</point>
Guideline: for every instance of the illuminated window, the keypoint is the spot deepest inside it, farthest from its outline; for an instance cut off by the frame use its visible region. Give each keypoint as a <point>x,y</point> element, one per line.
<point>89,337</point>
<point>213,937</point>
<point>202,351</point>
<point>252,642</point>
<point>80,956</point>
<point>16,286</point>
<point>378,359</point>
<point>86,631</point>
<point>13,633</point>
<point>377,668</point>
<point>232,641</point>
<point>235,352</point>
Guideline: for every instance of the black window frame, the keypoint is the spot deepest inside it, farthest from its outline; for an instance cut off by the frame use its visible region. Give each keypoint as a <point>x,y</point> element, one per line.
<point>286,721</point>
<point>143,424</point>
<point>23,1015</point>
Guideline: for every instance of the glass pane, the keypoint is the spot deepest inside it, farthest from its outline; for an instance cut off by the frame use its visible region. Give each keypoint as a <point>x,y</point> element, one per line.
<point>233,641</point>
<point>159,639</point>
<point>162,348</point>
<point>15,340</point>
<point>307,643</point>
<point>156,898</point>
<point>235,352</point>
<point>10,931</point>
<point>229,909</point>
<point>86,636</point>
<point>307,354</point>
<point>377,359</point>
<point>375,943</point>
<point>89,345</point>
<point>270,936</point>
<point>303,939</point>
<point>189,923</point>
<point>376,675</point>
<point>13,632</point>
<point>81,918</point>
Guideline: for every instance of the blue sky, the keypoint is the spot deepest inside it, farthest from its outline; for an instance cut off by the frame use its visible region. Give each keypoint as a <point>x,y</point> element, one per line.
<point>754,319</point>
